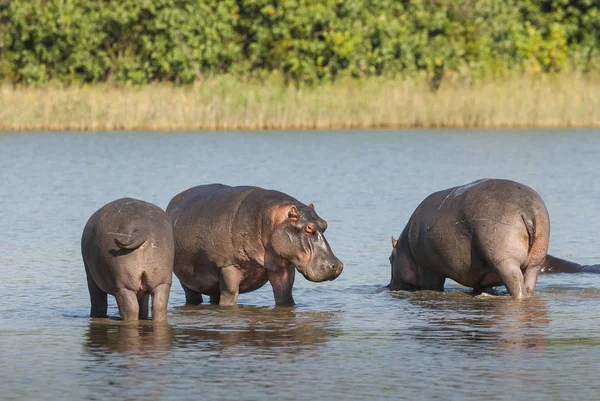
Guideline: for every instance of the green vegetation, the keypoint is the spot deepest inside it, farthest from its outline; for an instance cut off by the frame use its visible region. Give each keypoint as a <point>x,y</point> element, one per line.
<point>304,41</point>
<point>259,64</point>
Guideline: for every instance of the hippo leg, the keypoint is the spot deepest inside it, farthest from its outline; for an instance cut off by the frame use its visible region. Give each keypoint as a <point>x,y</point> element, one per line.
<point>512,277</point>
<point>282,281</point>
<point>531,275</point>
<point>215,299</point>
<point>229,285</point>
<point>505,247</point>
<point>143,303</point>
<point>431,280</point>
<point>127,302</point>
<point>97,297</point>
<point>191,297</point>
<point>160,300</point>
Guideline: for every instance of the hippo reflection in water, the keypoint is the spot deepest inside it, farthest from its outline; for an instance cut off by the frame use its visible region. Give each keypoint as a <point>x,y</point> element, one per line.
<point>498,322</point>
<point>231,240</point>
<point>263,330</point>
<point>484,234</point>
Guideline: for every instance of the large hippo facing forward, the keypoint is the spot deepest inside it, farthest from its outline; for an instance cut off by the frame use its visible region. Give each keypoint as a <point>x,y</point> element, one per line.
<point>487,233</point>
<point>127,249</point>
<point>232,240</point>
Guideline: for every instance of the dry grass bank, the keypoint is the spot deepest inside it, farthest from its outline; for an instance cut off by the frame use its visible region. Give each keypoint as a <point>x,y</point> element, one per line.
<point>567,100</point>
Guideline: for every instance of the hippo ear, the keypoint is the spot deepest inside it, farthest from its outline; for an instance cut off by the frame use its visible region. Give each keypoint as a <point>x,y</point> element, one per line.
<point>293,212</point>
<point>394,242</point>
<point>310,205</point>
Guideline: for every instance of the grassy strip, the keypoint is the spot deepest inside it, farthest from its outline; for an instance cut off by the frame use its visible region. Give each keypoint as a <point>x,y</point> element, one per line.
<point>564,100</point>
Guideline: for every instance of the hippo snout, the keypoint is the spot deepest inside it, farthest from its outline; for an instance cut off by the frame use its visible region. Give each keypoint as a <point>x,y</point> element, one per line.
<point>337,269</point>
<point>333,269</point>
<point>323,271</point>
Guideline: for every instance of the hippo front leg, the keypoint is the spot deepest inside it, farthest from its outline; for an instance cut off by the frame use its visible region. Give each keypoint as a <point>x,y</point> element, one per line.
<point>191,297</point>
<point>229,285</point>
<point>282,282</point>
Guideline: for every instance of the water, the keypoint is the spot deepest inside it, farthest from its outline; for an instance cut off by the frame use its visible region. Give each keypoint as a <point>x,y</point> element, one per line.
<point>347,339</point>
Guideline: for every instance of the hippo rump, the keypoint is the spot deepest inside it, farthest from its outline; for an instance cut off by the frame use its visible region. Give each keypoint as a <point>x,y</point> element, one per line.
<point>232,240</point>
<point>487,233</point>
<point>127,248</point>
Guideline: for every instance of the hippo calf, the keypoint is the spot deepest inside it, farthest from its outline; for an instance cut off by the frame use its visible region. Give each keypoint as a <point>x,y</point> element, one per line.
<point>232,240</point>
<point>127,249</point>
<point>557,265</point>
<point>487,233</point>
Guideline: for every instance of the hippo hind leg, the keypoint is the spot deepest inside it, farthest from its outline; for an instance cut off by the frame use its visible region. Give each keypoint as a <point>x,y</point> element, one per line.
<point>143,301</point>
<point>508,270</point>
<point>98,297</point>
<point>537,259</point>
<point>191,297</point>
<point>512,276</point>
<point>128,304</point>
<point>503,244</point>
<point>160,299</point>
<point>215,299</point>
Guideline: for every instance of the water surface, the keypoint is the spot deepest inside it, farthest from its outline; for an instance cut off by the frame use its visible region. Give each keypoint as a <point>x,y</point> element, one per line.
<point>347,339</point>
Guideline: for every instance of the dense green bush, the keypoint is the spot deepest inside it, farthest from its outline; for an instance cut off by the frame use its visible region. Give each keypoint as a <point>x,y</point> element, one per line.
<point>140,41</point>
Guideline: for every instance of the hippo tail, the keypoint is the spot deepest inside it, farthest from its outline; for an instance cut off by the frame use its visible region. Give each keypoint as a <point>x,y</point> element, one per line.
<point>530,227</point>
<point>132,235</point>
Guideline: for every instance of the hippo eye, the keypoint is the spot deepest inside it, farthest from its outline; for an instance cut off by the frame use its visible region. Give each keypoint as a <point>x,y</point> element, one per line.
<point>310,228</point>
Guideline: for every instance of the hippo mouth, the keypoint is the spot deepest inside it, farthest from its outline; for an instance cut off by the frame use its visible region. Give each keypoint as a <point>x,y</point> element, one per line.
<point>321,274</point>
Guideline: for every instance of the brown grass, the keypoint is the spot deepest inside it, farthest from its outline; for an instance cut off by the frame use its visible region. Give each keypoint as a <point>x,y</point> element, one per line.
<point>565,100</point>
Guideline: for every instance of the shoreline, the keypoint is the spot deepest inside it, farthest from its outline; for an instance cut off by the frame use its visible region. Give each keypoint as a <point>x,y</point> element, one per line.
<point>191,130</point>
<point>567,100</point>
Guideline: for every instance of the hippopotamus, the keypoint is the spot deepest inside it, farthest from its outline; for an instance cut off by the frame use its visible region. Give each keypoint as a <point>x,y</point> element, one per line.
<point>483,234</point>
<point>128,251</point>
<point>232,240</point>
<point>557,265</point>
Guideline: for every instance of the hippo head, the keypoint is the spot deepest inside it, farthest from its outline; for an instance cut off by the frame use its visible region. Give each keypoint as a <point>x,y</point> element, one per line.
<point>403,277</point>
<point>394,251</point>
<point>298,238</point>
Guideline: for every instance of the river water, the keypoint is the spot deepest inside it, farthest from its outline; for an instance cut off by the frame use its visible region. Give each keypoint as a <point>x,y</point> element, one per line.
<point>349,339</point>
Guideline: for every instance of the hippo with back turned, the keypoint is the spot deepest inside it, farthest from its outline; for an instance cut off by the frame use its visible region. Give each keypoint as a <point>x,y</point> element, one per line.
<point>127,248</point>
<point>487,233</point>
<point>232,240</point>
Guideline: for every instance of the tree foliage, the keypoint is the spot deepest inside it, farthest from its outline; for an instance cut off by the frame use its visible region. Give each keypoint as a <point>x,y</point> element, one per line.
<point>307,41</point>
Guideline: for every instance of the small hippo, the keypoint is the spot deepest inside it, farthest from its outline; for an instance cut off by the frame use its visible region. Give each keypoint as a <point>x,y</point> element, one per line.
<point>557,265</point>
<point>127,249</point>
<point>483,234</point>
<point>232,240</point>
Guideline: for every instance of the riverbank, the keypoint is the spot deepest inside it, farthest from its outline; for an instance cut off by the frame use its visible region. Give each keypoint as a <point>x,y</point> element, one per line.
<point>564,100</point>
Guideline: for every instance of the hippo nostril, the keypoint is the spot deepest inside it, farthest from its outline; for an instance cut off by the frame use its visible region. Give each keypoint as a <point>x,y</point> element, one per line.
<point>339,268</point>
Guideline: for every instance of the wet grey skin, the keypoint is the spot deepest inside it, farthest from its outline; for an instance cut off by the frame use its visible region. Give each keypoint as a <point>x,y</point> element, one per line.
<point>127,248</point>
<point>487,233</point>
<point>232,240</point>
